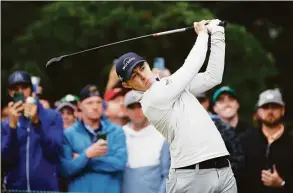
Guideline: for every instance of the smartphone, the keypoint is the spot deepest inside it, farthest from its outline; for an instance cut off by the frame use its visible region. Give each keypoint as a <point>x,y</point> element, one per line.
<point>101,136</point>
<point>159,63</point>
<point>35,82</point>
<point>18,96</point>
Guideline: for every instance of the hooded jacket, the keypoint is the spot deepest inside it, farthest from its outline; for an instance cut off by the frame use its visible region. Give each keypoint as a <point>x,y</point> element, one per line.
<point>30,153</point>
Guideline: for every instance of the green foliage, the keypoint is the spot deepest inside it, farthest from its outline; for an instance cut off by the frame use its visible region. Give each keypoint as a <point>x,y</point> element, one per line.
<point>66,27</point>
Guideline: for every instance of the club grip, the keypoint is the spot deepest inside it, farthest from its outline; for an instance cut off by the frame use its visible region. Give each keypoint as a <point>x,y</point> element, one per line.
<point>222,23</point>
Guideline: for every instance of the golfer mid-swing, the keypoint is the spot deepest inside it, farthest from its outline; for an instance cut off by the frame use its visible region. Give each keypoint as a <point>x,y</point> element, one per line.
<point>199,158</point>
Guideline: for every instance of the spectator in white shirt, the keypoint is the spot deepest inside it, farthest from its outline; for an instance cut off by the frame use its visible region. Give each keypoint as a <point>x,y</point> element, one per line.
<point>148,153</point>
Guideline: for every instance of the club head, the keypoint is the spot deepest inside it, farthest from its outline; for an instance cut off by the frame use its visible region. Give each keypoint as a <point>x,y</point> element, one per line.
<point>54,60</point>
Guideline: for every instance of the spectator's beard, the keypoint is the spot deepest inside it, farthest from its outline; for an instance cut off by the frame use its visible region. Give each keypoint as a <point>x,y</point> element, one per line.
<point>271,121</point>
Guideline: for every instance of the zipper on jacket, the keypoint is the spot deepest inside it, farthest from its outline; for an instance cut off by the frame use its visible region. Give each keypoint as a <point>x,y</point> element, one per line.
<point>27,159</point>
<point>267,155</point>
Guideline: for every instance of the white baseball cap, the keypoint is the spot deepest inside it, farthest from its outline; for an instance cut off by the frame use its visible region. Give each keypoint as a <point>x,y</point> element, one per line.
<point>132,97</point>
<point>270,96</point>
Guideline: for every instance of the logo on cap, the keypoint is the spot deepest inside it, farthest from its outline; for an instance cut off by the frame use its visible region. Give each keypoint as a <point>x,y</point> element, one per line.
<point>93,90</point>
<point>270,96</point>
<point>18,77</point>
<point>127,61</point>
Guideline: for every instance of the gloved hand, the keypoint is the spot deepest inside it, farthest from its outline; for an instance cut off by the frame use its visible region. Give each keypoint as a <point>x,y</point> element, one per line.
<point>213,26</point>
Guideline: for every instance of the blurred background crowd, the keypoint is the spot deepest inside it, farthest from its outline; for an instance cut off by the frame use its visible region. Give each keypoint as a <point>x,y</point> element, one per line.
<point>122,152</point>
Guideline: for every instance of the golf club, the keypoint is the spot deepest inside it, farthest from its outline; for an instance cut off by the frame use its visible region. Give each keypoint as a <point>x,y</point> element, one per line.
<point>58,59</point>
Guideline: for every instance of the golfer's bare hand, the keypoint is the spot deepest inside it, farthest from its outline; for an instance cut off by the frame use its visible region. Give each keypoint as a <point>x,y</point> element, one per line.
<point>14,112</point>
<point>97,149</point>
<point>200,26</point>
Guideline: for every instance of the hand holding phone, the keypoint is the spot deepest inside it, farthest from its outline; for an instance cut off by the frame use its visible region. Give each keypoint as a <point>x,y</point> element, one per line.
<point>96,149</point>
<point>18,96</point>
<point>15,110</point>
<point>102,136</point>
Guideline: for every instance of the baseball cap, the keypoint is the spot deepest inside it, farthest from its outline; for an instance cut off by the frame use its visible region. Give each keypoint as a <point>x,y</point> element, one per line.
<point>222,90</point>
<point>201,95</point>
<point>70,98</point>
<point>125,64</point>
<point>65,104</point>
<point>89,91</point>
<point>270,96</point>
<point>113,93</point>
<point>130,98</point>
<point>19,77</point>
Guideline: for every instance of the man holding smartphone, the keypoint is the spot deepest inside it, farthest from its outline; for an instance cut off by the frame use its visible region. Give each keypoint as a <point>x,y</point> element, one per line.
<point>94,150</point>
<point>31,139</point>
<point>199,162</point>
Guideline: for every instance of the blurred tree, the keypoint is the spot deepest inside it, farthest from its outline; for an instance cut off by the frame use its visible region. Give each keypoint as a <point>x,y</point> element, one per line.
<point>66,27</point>
<point>270,23</point>
<point>13,21</point>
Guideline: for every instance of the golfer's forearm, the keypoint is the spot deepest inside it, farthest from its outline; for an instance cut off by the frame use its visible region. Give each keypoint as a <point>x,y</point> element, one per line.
<point>194,61</point>
<point>216,62</point>
<point>215,69</point>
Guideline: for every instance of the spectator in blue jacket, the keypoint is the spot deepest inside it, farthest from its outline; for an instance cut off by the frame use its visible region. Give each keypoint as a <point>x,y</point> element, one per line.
<point>88,161</point>
<point>148,153</point>
<point>31,139</point>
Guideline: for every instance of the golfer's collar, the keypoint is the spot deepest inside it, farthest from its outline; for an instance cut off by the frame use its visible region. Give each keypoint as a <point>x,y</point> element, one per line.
<point>157,80</point>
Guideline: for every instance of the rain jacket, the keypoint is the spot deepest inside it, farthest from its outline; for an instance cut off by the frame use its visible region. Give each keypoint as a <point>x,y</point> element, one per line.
<point>30,152</point>
<point>101,174</point>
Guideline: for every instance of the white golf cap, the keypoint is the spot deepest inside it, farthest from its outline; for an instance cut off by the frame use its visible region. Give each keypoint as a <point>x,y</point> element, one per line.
<point>132,97</point>
<point>65,104</point>
<point>270,96</point>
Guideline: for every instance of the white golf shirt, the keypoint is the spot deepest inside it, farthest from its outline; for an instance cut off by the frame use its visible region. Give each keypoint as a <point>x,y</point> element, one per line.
<point>171,106</point>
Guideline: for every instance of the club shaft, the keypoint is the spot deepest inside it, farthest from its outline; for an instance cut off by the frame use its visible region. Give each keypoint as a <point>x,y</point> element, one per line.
<point>131,39</point>
<point>170,32</point>
<point>223,23</point>
<point>106,45</point>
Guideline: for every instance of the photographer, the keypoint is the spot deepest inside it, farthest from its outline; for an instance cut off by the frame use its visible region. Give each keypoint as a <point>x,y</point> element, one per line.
<point>31,139</point>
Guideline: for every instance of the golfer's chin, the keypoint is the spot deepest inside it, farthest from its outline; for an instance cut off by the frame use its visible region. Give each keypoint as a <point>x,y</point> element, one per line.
<point>143,87</point>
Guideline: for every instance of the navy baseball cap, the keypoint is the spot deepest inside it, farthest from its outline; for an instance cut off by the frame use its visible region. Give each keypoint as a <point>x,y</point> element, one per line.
<point>19,77</point>
<point>125,64</point>
<point>89,91</point>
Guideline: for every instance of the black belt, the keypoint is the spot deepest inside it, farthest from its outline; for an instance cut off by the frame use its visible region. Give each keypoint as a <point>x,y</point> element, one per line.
<point>219,162</point>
